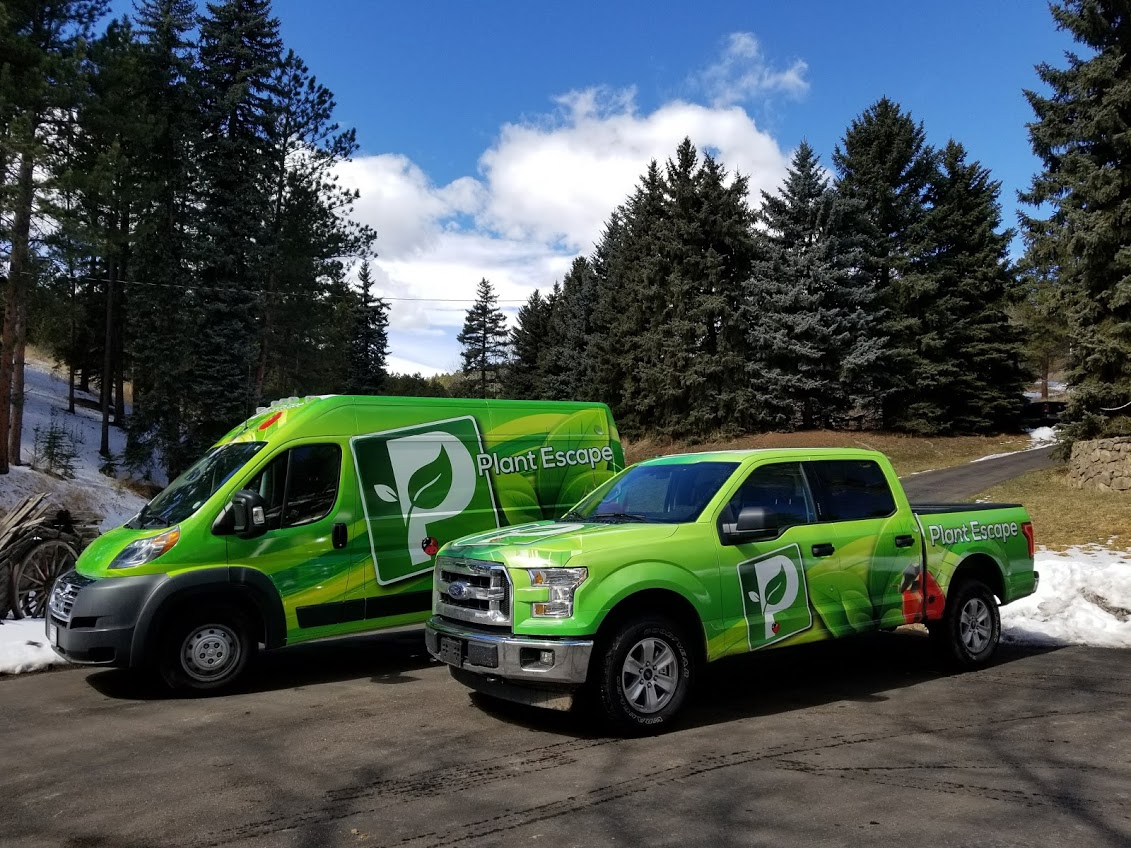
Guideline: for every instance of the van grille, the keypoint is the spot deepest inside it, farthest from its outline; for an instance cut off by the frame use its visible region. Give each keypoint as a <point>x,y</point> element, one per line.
<point>63,594</point>
<point>473,590</point>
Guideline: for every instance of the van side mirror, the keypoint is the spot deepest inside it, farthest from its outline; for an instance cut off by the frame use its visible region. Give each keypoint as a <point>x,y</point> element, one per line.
<point>754,523</point>
<point>249,514</point>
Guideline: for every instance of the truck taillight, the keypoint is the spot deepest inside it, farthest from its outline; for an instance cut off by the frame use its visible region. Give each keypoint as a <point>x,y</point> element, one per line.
<point>1027,529</point>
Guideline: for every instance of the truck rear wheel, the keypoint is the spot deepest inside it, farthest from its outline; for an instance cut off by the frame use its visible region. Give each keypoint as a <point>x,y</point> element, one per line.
<point>969,632</point>
<point>646,674</point>
<point>206,650</point>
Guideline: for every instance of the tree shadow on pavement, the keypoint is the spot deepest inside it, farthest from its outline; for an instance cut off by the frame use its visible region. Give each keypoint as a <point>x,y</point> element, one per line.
<point>385,658</point>
<point>861,669</point>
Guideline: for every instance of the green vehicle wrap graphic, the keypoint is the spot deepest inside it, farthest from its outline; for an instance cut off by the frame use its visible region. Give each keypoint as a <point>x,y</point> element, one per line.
<point>774,596</point>
<point>408,471</point>
<point>815,580</point>
<point>419,483</point>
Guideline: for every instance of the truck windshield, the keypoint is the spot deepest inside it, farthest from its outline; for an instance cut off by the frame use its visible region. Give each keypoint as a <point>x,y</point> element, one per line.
<point>663,494</point>
<point>187,493</point>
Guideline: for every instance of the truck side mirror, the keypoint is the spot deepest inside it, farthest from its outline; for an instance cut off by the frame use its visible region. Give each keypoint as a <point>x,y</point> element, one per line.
<point>754,523</point>
<point>249,514</point>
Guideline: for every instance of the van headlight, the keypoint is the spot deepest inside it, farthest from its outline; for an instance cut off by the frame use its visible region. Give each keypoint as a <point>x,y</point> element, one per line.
<point>562,583</point>
<point>146,550</point>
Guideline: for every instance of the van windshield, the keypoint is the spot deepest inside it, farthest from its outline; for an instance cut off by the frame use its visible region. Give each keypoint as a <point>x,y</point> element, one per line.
<point>187,493</point>
<point>662,494</point>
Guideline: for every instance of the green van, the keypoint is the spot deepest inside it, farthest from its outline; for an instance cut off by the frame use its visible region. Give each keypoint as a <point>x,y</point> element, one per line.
<point>318,517</point>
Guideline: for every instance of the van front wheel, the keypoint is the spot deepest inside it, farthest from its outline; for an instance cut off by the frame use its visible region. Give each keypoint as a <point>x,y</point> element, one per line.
<point>646,675</point>
<point>206,650</point>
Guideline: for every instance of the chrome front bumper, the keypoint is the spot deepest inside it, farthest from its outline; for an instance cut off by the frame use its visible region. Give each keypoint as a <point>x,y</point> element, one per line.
<point>521,659</point>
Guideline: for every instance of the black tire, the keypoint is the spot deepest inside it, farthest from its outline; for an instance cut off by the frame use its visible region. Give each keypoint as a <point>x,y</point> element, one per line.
<point>206,650</point>
<point>970,629</point>
<point>642,702</point>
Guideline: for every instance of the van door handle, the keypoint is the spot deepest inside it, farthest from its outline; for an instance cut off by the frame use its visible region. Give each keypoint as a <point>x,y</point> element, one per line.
<point>904,541</point>
<point>339,536</point>
<point>823,550</point>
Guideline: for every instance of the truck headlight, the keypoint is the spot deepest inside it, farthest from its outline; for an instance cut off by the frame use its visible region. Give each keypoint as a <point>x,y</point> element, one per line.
<point>562,583</point>
<point>146,550</point>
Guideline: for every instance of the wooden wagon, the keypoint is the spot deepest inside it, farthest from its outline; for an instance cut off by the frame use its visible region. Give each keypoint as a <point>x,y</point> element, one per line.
<point>38,542</point>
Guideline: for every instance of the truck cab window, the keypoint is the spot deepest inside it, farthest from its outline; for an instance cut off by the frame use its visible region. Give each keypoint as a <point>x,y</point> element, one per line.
<point>300,486</point>
<point>850,490</point>
<point>780,488</point>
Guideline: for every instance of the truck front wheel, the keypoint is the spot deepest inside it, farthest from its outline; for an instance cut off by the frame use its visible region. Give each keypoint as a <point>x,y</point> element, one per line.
<point>205,650</point>
<point>646,674</point>
<point>970,629</point>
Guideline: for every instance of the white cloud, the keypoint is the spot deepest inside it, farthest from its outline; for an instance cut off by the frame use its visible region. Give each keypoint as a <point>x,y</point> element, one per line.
<point>542,194</point>
<point>742,74</point>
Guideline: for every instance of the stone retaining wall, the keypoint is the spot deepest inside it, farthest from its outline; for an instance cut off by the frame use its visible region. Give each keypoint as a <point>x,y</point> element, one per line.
<point>1103,464</point>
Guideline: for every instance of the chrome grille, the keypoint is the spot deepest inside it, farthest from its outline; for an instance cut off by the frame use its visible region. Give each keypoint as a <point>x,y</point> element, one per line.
<point>63,594</point>
<point>473,590</point>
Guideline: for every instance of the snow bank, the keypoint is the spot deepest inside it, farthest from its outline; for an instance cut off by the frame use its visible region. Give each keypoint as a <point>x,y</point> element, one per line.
<point>90,490</point>
<point>1084,598</point>
<point>23,647</point>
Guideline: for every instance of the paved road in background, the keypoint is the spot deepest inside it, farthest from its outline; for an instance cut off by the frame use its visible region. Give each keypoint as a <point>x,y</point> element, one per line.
<point>368,742</point>
<point>962,482</point>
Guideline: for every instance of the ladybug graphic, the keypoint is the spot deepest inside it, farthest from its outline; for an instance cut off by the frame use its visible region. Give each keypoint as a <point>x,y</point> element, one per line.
<point>430,546</point>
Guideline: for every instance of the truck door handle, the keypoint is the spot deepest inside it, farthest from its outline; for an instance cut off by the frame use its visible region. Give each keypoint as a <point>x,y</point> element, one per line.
<point>904,541</point>
<point>338,536</point>
<point>823,550</point>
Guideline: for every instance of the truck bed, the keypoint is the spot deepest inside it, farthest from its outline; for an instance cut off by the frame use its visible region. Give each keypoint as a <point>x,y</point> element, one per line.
<point>943,508</point>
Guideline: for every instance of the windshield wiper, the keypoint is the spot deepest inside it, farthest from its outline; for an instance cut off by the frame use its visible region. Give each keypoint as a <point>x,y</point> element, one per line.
<point>618,516</point>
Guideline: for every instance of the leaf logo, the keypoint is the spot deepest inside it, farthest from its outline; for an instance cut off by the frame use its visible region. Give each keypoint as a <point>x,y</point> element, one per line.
<point>753,596</point>
<point>775,589</point>
<point>428,487</point>
<point>385,493</point>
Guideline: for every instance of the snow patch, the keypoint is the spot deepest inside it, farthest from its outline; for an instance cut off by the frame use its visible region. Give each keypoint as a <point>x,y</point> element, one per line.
<point>23,647</point>
<point>45,392</point>
<point>1084,598</point>
<point>1041,437</point>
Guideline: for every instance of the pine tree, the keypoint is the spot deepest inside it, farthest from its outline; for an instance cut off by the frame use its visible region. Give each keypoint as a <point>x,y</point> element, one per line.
<point>668,346</point>
<point>528,339</point>
<point>369,347</point>
<point>566,362</point>
<point>970,378</point>
<point>883,167</point>
<point>41,76</point>
<point>1081,135</point>
<point>240,54</point>
<point>809,312</point>
<point>484,340</point>
<point>162,317</point>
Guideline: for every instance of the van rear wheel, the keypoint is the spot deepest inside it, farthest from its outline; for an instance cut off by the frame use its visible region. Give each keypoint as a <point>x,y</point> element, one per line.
<point>206,650</point>
<point>647,672</point>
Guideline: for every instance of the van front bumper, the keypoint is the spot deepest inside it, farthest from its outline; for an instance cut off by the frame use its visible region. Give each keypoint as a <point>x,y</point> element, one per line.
<point>92,622</point>
<point>532,661</point>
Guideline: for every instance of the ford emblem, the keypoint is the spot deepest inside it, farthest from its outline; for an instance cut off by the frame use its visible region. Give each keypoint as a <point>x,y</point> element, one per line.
<point>456,591</point>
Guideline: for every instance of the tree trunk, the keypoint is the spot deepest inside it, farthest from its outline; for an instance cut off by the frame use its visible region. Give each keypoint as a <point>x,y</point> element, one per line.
<point>18,271</point>
<point>120,323</point>
<point>1045,379</point>
<point>108,360</point>
<point>16,434</point>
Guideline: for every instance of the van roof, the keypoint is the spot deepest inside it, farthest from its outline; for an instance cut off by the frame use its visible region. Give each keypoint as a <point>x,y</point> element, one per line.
<point>286,412</point>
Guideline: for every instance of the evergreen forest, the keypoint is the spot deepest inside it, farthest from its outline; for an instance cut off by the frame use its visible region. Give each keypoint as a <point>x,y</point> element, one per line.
<point>173,230</point>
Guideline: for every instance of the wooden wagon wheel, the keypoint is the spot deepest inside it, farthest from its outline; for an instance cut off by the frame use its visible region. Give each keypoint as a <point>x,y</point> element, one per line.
<point>32,579</point>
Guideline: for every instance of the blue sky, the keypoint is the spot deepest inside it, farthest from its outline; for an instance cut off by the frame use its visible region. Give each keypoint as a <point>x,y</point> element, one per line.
<point>496,137</point>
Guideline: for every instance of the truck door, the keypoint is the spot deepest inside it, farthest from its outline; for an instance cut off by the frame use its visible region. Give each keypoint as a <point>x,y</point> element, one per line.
<point>863,547</point>
<point>306,550</point>
<point>764,581</point>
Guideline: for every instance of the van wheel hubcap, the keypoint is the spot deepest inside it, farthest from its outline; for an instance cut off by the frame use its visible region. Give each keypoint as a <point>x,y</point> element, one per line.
<point>209,652</point>
<point>650,675</point>
<point>974,627</point>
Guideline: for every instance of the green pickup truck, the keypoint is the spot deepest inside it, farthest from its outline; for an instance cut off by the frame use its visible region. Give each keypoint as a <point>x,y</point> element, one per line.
<point>683,560</point>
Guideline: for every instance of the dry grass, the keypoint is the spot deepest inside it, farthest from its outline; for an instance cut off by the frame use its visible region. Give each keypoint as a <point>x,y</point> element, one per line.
<point>907,453</point>
<point>1063,515</point>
